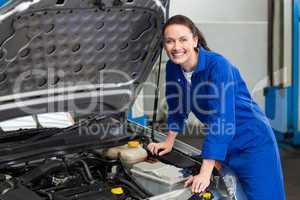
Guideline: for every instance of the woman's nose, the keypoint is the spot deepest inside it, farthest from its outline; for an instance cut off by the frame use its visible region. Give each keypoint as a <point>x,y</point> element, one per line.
<point>176,45</point>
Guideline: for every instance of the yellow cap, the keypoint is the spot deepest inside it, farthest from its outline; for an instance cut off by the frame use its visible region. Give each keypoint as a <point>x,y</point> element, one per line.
<point>207,195</point>
<point>133,144</point>
<point>117,190</point>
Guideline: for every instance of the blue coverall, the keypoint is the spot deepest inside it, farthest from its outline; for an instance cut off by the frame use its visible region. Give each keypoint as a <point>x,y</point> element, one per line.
<point>2,2</point>
<point>238,132</point>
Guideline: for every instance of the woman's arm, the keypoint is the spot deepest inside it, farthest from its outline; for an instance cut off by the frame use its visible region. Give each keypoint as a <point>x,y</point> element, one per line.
<point>207,167</point>
<point>171,137</point>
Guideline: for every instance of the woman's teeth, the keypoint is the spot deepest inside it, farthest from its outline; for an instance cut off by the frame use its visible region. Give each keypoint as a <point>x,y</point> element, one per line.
<point>177,54</point>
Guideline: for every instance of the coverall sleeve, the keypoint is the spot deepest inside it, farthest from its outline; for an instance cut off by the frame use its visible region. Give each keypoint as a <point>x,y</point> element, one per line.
<point>221,119</point>
<point>176,115</point>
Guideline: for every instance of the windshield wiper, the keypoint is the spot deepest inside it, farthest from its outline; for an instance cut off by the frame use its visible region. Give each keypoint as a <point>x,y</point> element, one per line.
<point>23,136</point>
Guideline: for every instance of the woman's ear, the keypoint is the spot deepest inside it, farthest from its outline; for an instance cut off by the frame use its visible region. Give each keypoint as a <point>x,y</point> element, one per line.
<point>195,41</point>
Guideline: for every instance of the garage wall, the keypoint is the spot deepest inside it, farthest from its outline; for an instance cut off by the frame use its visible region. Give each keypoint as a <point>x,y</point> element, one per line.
<point>238,30</point>
<point>216,10</point>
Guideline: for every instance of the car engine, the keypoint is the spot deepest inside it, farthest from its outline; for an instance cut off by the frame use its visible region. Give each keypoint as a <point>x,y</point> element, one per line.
<point>80,177</point>
<point>88,176</point>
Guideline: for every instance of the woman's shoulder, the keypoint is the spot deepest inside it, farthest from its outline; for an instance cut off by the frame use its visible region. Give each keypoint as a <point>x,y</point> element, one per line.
<point>216,62</point>
<point>214,58</point>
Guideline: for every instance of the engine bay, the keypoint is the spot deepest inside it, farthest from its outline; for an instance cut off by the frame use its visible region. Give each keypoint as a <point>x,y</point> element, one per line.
<point>83,177</point>
<point>115,169</point>
<point>89,176</point>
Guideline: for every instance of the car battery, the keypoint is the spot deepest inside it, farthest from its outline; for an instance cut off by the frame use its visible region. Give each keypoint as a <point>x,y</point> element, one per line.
<point>158,177</point>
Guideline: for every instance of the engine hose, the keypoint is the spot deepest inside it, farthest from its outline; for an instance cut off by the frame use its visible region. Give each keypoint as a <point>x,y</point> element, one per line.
<point>86,179</point>
<point>135,188</point>
<point>103,160</point>
<point>87,171</point>
<point>89,178</point>
<point>42,170</point>
<point>48,194</point>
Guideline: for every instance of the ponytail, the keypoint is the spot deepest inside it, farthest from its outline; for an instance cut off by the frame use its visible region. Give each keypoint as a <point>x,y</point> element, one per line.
<point>201,40</point>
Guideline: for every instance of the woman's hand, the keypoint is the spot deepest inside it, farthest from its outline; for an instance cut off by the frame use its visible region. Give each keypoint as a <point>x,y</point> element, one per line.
<point>164,147</point>
<point>155,148</point>
<point>201,181</point>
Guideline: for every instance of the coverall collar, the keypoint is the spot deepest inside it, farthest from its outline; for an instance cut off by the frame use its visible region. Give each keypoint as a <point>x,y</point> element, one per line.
<point>201,65</point>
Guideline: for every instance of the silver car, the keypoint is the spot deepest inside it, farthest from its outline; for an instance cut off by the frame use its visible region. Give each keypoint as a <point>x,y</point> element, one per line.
<point>89,58</point>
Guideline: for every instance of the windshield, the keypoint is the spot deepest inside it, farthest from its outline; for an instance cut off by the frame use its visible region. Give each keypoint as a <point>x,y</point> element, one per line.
<point>39,127</point>
<point>57,120</point>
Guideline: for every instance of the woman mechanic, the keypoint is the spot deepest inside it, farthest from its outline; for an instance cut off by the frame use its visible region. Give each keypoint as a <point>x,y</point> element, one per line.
<point>201,81</point>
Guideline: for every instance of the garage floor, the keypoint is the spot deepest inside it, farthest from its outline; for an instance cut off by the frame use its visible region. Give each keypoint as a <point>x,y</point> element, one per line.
<point>290,158</point>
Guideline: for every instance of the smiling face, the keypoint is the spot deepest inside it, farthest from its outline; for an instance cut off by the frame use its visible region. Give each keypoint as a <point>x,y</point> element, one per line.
<point>179,44</point>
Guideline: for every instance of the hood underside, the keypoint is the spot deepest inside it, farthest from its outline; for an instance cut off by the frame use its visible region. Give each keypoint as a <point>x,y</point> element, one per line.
<point>76,55</point>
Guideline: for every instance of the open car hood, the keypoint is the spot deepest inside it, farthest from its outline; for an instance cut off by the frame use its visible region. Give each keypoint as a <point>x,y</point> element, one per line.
<point>76,55</point>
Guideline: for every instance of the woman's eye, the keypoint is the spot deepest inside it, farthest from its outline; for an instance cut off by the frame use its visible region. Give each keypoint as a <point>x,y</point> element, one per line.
<point>183,40</point>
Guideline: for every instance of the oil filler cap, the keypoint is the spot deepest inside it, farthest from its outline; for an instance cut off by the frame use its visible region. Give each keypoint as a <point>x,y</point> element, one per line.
<point>133,144</point>
<point>207,196</point>
<point>117,191</point>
